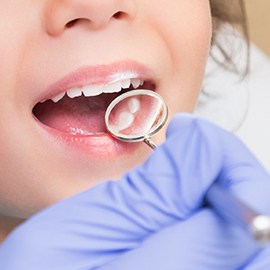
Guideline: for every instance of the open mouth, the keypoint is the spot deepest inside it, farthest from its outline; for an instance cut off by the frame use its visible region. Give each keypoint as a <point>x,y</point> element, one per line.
<point>81,111</point>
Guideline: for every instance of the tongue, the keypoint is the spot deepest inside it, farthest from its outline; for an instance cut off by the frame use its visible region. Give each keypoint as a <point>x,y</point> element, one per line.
<point>75,116</point>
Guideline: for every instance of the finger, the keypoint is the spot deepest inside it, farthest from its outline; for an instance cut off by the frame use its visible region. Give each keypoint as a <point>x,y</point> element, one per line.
<point>261,261</point>
<point>240,171</point>
<point>201,242</point>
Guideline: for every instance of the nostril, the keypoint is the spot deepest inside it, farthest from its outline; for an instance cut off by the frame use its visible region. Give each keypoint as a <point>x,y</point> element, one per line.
<point>119,15</point>
<point>72,23</point>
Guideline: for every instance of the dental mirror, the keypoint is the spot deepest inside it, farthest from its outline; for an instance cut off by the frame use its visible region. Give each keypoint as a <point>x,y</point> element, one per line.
<point>136,116</point>
<point>139,114</point>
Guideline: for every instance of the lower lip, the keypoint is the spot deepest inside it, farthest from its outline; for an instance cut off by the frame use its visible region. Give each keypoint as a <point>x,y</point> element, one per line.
<point>100,146</point>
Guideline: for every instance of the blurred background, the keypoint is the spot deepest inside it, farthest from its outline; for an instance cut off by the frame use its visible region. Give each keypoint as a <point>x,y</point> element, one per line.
<point>259,23</point>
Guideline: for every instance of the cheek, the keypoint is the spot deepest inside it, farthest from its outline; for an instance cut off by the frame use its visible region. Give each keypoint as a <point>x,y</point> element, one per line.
<point>187,33</point>
<point>186,27</point>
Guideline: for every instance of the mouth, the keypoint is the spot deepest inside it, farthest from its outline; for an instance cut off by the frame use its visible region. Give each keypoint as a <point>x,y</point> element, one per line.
<point>80,111</point>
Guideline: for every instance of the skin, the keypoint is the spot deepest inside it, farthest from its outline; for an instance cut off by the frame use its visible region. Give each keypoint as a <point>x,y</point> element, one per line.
<point>39,46</point>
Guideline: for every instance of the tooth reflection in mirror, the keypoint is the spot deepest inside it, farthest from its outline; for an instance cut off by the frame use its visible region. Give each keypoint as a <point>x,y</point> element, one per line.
<point>136,116</point>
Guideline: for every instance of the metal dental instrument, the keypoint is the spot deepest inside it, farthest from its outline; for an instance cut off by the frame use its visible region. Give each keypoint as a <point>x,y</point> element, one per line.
<point>127,121</point>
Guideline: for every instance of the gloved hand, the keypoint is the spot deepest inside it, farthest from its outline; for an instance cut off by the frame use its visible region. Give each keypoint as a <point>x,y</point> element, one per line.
<point>155,216</point>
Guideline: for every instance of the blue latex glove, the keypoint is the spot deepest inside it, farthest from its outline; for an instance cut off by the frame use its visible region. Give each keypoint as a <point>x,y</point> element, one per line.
<point>154,217</point>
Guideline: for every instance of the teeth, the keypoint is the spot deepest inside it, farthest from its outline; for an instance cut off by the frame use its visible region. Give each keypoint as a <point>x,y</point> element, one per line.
<point>58,97</point>
<point>74,92</point>
<point>134,105</point>
<point>113,87</point>
<point>135,82</point>
<point>125,120</point>
<point>126,83</point>
<point>92,90</point>
<point>95,90</point>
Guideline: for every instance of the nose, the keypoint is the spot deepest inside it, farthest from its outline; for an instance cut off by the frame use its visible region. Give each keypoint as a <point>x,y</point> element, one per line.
<point>61,15</point>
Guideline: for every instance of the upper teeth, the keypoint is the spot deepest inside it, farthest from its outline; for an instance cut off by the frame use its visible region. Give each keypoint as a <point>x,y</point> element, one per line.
<point>96,89</point>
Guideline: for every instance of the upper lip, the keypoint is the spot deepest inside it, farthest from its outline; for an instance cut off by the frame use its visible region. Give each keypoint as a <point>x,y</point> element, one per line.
<point>100,74</point>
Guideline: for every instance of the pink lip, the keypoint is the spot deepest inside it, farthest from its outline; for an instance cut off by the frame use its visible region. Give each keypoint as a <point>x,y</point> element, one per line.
<point>102,146</point>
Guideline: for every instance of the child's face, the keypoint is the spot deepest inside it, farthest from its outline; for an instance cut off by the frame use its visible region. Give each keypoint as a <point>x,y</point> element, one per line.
<point>52,46</point>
